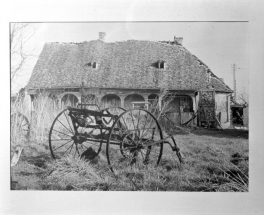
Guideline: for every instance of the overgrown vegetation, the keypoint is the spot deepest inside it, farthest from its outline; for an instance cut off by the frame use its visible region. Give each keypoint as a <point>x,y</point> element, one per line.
<point>207,155</point>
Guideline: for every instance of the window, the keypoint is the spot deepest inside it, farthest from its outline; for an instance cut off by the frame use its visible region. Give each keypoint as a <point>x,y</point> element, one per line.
<point>95,65</point>
<point>162,64</point>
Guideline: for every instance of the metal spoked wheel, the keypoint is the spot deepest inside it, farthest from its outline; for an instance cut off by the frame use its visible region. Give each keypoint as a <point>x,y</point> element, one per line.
<point>68,138</point>
<point>134,140</point>
<point>20,127</point>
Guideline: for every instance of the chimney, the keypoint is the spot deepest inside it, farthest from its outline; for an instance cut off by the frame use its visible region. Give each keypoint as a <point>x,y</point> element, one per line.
<point>178,40</point>
<point>102,36</point>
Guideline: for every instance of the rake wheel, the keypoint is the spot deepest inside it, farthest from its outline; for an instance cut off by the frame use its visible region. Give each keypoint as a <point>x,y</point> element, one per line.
<point>134,140</point>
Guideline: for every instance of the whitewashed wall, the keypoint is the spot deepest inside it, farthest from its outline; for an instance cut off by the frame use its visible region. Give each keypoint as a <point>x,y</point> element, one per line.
<point>223,105</point>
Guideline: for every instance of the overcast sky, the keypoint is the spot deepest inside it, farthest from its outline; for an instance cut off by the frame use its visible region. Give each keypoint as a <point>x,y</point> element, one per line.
<point>217,44</point>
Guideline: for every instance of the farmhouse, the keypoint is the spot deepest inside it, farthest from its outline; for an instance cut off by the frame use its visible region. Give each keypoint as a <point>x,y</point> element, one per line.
<point>120,73</point>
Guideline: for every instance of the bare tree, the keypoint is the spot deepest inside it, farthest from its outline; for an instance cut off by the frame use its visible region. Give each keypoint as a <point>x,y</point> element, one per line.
<point>166,99</point>
<point>243,97</point>
<point>20,51</point>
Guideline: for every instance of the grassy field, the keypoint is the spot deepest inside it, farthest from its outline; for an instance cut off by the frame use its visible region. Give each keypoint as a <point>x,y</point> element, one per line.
<point>208,167</point>
<point>214,161</point>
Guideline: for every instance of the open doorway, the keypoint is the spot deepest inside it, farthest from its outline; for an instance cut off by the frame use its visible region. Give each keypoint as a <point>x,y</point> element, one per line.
<point>237,115</point>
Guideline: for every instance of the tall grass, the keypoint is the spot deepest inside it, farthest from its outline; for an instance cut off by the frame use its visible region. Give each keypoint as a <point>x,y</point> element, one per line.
<point>71,173</point>
<point>19,120</point>
<point>206,168</point>
<point>40,117</point>
<point>237,178</point>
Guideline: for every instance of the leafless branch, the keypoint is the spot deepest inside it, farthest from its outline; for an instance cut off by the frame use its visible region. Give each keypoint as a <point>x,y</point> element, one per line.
<point>159,109</point>
<point>20,35</point>
<point>244,98</point>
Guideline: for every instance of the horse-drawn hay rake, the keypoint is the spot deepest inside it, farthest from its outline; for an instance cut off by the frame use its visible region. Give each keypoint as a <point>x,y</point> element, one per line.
<point>131,136</point>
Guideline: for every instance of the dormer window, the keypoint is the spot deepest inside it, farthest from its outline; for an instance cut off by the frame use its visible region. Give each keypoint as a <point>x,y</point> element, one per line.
<point>162,64</point>
<point>95,65</point>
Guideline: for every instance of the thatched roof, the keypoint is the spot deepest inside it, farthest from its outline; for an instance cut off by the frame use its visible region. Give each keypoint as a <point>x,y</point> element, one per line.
<point>128,64</point>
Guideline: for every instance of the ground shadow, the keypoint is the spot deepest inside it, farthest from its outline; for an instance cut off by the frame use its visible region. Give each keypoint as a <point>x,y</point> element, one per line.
<point>39,161</point>
<point>226,133</point>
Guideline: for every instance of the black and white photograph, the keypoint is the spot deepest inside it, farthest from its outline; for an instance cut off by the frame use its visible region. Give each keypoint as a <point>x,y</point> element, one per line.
<point>158,106</point>
<point>133,108</point>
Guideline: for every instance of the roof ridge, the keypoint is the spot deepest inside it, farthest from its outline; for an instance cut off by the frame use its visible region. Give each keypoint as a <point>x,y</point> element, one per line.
<point>116,42</point>
<point>62,43</point>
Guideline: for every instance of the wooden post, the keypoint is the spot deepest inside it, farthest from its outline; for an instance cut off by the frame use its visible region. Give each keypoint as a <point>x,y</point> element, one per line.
<point>122,99</point>
<point>228,108</point>
<point>199,116</point>
<point>146,101</point>
<point>215,122</point>
<point>160,103</point>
